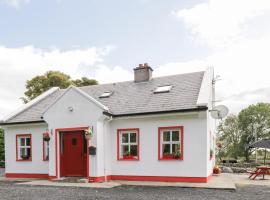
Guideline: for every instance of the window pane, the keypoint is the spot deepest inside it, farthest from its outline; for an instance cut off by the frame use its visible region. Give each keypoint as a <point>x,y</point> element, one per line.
<point>166,136</point>
<point>175,135</point>
<point>165,149</point>
<point>124,137</point>
<point>124,150</point>
<point>22,141</point>
<point>133,150</point>
<point>22,152</point>
<point>46,150</point>
<point>133,137</point>
<point>175,148</point>
<point>29,152</point>
<point>27,141</point>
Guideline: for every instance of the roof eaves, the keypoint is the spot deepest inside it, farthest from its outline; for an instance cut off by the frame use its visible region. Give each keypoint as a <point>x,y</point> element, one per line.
<point>25,122</point>
<point>201,108</point>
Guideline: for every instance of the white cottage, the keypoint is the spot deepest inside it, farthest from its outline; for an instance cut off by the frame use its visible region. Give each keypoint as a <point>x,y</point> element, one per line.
<point>148,129</point>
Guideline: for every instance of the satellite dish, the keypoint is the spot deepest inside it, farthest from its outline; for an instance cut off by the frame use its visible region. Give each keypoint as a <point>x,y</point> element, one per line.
<point>219,112</point>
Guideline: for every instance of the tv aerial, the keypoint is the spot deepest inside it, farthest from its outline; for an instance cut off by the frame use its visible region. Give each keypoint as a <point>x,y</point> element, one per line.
<point>219,112</point>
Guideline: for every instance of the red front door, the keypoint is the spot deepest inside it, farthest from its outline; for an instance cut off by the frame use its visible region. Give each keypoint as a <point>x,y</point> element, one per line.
<point>73,158</point>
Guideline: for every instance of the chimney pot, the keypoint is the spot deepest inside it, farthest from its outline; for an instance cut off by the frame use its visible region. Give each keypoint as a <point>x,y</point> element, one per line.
<point>142,73</point>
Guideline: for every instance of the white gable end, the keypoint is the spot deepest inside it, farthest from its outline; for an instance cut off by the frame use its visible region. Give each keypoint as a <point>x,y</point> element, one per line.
<point>73,109</point>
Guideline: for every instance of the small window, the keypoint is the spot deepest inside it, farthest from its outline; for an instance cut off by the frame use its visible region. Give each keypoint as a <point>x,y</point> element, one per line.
<point>162,89</point>
<point>128,144</point>
<point>45,150</point>
<point>105,95</point>
<point>24,147</point>
<point>171,143</point>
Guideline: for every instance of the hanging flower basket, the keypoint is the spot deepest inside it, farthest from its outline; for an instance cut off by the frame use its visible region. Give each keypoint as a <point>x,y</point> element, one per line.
<point>88,133</point>
<point>46,136</point>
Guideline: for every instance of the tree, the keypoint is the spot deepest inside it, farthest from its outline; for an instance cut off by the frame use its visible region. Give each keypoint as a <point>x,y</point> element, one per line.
<point>229,137</point>
<point>2,146</point>
<point>84,81</point>
<point>254,124</point>
<point>236,133</point>
<point>40,84</point>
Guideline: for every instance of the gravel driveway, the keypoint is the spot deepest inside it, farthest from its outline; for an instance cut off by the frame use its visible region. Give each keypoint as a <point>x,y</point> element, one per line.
<point>13,191</point>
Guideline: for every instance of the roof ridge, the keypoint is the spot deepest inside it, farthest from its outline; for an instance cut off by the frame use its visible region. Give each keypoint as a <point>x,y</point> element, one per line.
<point>154,78</point>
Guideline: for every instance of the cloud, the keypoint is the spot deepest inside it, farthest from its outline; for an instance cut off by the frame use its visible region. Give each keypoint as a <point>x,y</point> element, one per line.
<point>235,32</point>
<point>14,3</point>
<point>222,22</point>
<point>246,98</point>
<point>20,64</point>
<point>244,68</point>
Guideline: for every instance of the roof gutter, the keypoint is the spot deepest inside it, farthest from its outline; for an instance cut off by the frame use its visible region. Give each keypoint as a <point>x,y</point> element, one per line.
<point>27,122</point>
<point>202,108</point>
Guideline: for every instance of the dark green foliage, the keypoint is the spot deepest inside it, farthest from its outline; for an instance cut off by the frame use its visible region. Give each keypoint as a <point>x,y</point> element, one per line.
<point>236,132</point>
<point>40,84</point>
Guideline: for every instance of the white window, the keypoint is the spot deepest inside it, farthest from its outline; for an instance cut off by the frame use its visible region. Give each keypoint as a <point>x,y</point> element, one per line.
<point>128,147</point>
<point>24,149</point>
<point>45,150</point>
<point>161,89</point>
<point>170,143</point>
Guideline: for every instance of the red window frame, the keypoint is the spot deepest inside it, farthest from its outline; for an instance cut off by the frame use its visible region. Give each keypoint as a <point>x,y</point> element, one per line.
<point>43,146</point>
<point>160,129</point>
<point>17,148</point>
<point>118,144</point>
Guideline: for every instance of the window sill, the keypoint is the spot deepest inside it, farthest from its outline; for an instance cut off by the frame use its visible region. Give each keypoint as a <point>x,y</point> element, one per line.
<point>21,160</point>
<point>178,159</point>
<point>128,159</point>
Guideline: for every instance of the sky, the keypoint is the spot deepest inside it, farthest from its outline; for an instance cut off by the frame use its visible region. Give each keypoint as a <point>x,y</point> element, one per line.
<point>105,40</point>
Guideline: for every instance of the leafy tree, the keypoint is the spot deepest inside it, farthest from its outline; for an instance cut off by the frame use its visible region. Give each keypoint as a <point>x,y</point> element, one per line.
<point>254,124</point>
<point>84,81</point>
<point>237,132</point>
<point>229,137</point>
<point>40,84</point>
<point>2,146</point>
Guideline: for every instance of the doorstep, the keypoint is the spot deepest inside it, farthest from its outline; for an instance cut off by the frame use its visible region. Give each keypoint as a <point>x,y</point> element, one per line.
<point>66,184</point>
<point>222,181</point>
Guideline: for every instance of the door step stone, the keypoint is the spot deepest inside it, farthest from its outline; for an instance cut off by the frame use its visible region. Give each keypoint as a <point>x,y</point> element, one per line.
<point>72,180</point>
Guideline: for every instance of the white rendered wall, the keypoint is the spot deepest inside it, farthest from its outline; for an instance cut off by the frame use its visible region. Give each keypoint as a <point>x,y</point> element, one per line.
<point>195,147</point>
<point>37,165</point>
<point>211,128</point>
<point>85,113</point>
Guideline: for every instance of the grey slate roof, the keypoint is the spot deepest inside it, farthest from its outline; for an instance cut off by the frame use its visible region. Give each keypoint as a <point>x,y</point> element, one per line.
<point>132,98</point>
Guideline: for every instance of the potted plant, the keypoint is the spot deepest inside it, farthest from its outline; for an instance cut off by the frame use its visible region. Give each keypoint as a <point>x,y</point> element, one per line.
<point>167,156</point>
<point>46,136</point>
<point>177,155</point>
<point>216,170</point>
<point>211,153</point>
<point>88,133</point>
<point>127,155</point>
<point>25,157</point>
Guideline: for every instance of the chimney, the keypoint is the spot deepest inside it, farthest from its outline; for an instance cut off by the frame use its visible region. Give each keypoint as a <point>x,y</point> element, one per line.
<point>142,73</point>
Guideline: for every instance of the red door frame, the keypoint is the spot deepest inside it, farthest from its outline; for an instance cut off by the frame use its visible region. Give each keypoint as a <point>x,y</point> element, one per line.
<point>57,152</point>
